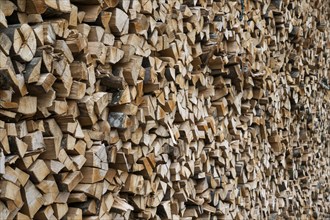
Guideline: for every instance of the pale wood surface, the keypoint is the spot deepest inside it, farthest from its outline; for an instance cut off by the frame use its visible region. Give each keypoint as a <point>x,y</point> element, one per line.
<point>147,109</point>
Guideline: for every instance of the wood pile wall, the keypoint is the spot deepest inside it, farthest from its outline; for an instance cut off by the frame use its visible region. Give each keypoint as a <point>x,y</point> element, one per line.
<point>147,109</point>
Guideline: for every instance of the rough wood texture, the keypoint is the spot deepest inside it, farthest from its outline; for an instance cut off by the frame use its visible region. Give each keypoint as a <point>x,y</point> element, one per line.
<point>147,109</point>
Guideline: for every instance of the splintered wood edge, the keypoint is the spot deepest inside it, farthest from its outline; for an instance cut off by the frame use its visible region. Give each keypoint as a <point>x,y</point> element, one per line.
<point>25,43</point>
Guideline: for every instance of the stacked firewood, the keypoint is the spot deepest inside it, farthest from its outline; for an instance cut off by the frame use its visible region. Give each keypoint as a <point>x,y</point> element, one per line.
<point>147,109</point>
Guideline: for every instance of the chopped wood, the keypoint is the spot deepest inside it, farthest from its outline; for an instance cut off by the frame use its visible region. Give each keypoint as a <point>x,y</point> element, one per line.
<point>145,109</point>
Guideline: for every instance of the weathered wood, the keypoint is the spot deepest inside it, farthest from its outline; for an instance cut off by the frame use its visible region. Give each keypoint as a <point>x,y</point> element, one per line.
<point>3,20</point>
<point>24,42</point>
<point>34,141</point>
<point>119,22</point>
<point>33,199</point>
<point>117,109</point>
<point>6,43</point>
<point>38,170</point>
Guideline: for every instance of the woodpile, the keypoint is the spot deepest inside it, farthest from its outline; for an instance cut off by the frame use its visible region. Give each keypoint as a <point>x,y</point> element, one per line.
<point>146,109</point>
